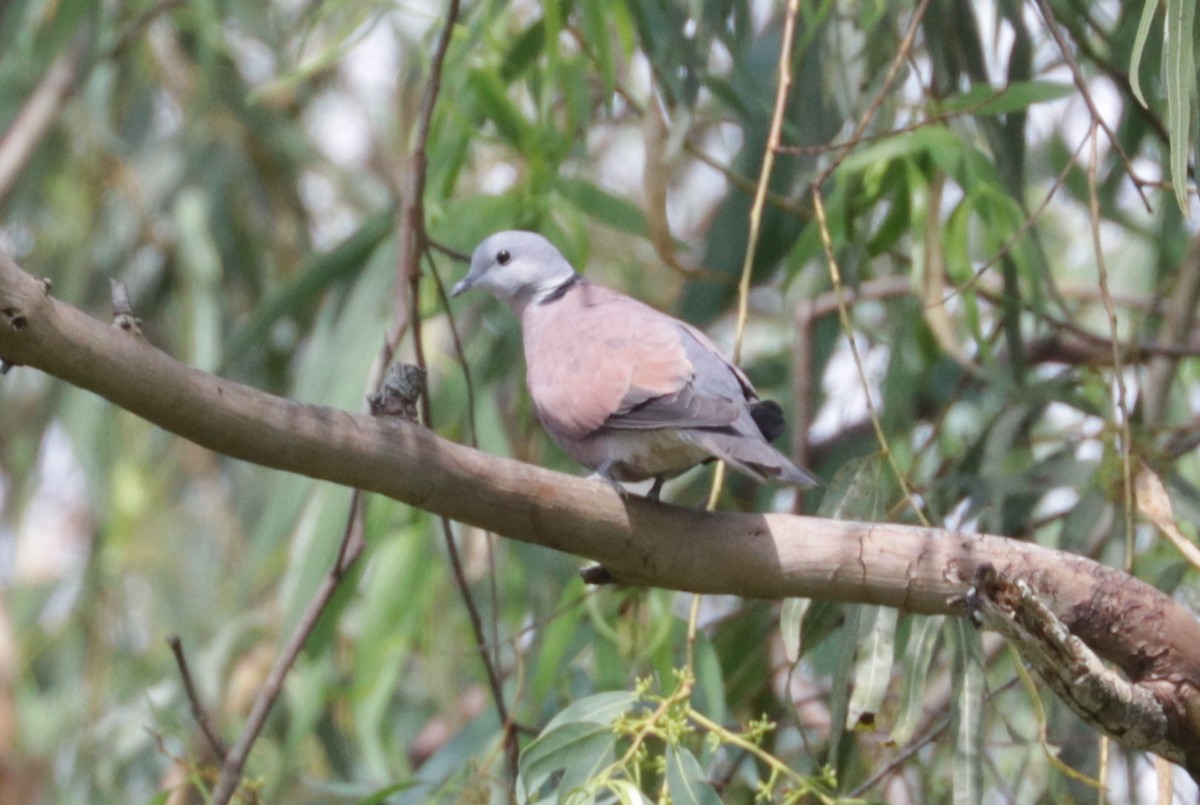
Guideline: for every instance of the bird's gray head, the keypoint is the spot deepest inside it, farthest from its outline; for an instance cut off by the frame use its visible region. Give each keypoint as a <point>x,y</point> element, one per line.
<point>518,268</point>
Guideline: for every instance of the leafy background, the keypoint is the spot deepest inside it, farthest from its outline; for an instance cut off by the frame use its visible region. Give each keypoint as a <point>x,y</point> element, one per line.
<point>240,167</point>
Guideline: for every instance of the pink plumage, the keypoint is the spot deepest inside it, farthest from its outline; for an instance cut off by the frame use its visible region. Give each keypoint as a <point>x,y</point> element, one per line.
<point>625,389</point>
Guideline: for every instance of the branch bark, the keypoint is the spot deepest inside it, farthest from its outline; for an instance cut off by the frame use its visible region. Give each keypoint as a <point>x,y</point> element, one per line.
<point>1153,640</point>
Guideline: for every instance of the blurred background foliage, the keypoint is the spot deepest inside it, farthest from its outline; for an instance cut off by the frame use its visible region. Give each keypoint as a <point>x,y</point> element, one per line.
<point>239,166</point>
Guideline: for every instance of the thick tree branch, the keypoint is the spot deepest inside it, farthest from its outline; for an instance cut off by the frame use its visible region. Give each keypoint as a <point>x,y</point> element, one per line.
<point>1153,640</point>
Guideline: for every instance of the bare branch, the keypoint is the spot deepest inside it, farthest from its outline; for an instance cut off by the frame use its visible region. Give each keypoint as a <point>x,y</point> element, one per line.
<point>349,550</point>
<point>198,711</point>
<point>1151,638</point>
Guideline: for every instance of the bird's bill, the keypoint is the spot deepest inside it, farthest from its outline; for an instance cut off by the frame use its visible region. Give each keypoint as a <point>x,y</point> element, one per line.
<point>463,284</point>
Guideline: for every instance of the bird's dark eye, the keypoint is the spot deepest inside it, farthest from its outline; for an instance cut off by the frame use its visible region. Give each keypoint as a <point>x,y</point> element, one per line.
<point>503,257</point>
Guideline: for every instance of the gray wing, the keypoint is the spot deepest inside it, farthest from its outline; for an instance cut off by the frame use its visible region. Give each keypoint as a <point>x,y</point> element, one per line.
<point>701,388</point>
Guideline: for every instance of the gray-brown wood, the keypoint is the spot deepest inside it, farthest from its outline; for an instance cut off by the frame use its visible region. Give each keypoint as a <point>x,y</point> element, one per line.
<point>1152,639</point>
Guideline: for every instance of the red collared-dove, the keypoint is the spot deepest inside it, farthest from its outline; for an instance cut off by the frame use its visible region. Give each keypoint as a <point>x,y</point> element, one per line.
<point>625,390</point>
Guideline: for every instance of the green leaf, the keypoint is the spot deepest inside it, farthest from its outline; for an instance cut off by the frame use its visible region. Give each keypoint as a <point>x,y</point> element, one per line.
<point>607,208</point>
<point>918,656</point>
<point>967,714</point>
<point>579,750</point>
<point>596,32</point>
<point>1139,45</point>
<point>1179,72</point>
<point>876,653</point>
<point>524,52</point>
<point>491,95</point>
<point>842,676</point>
<point>686,781</point>
<point>341,263</point>
<point>983,99</point>
<point>578,741</point>
<point>937,140</point>
<point>599,708</point>
<point>382,794</point>
<point>709,695</point>
<point>556,642</point>
<point>791,617</point>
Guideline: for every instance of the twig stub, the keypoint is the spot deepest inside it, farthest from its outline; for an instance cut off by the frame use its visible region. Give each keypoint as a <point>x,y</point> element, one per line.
<point>123,309</point>
<point>401,389</point>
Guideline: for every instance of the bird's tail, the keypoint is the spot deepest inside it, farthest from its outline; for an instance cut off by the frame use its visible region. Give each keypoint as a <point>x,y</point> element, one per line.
<point>752,456</point>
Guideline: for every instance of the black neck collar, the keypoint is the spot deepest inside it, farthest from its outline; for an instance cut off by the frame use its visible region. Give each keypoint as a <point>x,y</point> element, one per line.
<point>561,290</point>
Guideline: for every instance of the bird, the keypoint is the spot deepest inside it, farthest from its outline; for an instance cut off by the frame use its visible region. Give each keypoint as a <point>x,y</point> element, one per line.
<point>624,389</point>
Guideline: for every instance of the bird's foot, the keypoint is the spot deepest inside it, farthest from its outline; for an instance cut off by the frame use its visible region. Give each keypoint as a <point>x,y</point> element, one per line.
<point>656,488</point>
<point>604,473</point>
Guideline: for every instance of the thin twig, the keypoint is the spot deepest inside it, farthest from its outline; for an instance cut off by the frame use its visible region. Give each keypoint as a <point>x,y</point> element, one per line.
<point>138,24</point>
<point>412,216</point>
<point>198,711</point>
<point>1021,230</point>
<point>743,183</point>
<point>349,550</point>
<point>822,226</point>
<point>459,353</point>
<point>756,209</point>
<point>352,544</point>
<point>835,277</point>
<point>461,356</point>
<point>1118,370</point>
<point>764,177</point>
<point>460,577</point>
<point>884,91</point>
<point>1081,83</point>
<point>36,115</point>
<point>511,746</point>
<point>413,242</point>
<point>462,257</point>
<point>916,125</point>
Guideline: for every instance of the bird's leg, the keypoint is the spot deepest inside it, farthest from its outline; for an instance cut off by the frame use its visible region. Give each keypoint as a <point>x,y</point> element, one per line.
<point>656,488</point>
<point>605,473</point>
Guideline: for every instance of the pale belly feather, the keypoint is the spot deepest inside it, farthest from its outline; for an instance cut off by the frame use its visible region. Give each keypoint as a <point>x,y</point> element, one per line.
<point>636,455</point>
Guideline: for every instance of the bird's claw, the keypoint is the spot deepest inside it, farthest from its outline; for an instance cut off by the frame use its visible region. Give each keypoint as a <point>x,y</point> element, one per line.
<point>604,473</point>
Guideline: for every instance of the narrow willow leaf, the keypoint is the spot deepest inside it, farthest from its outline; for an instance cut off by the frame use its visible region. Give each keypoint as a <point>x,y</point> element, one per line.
<point>1179,72</point>
<point>607,208</point>
<point>579,741</point>
<point>839,701</point>
<point>601,708</point>
<point>342,263</point>
<point>876,652</point>
<point>791,617</point>
<point>596,31</point>
<point>381,796</point>
<point>552,659</point>
<point>984,99</point>
<point>918,655</point>
<point>526,48</point>
<point>686,781</point>
<point>201,279</point>
<point>967,720</point>
<point>1139,44</point>
<point>491,95</point>
<point>626,792</point>
<point>709,693</point>
<point>582,748</point>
